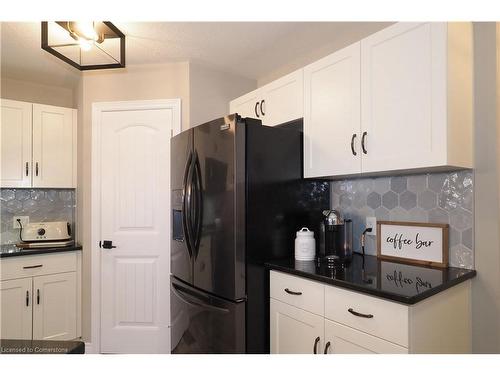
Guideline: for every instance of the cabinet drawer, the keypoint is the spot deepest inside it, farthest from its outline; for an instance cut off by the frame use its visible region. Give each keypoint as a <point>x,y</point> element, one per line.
<point>341,339</point>
<point>381,318</point>
<point>34,265</point>
<point>285,288</point>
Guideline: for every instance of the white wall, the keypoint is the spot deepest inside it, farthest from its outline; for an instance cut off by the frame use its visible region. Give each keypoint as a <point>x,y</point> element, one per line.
<point>211,90</point>
<point>37,93</point>
<point>486,286</point>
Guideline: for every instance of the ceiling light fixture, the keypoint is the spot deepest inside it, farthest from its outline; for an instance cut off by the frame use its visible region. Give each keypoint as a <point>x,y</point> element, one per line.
<point>85,45</point>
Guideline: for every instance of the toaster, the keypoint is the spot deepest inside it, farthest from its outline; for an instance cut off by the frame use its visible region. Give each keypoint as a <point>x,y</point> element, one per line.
<point>47,231</point>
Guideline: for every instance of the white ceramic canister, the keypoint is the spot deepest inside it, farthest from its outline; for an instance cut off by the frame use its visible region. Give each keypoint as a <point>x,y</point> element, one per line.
<point>305,245</point>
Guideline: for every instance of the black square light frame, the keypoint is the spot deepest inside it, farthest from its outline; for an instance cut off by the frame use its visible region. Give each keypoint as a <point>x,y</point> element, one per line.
<point>121,64</point>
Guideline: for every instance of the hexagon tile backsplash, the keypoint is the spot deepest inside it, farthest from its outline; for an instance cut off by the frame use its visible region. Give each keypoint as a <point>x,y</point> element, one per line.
<point>434,198</point>
<point>38,204</point>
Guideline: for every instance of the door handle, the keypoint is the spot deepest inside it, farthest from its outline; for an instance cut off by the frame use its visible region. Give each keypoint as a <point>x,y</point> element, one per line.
<point>363,143</point>
<point>200,304</point>
<point>255,110</point>
<point>352,145</point>
<point>38,296</point>
<point>315,348</point>
<point>107,244</point>
<point>368,316</point>
<point>198,206</point>
<point>262,102</point>
<point>292,292</point>
<point>327,346</point>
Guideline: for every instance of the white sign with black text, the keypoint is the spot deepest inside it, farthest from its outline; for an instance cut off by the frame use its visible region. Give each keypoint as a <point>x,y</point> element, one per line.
<point>420,243</point>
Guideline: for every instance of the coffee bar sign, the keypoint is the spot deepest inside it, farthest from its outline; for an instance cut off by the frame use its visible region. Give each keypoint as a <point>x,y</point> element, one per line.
<point>417,243</point>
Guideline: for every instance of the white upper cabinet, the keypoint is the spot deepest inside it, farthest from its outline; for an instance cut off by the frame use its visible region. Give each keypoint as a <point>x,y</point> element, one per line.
<point>416,97</point>
<point>332,114</point>
<point>54,130</point>
<point>275,103</point>
<point>38,145</point>
<point>15,135</point>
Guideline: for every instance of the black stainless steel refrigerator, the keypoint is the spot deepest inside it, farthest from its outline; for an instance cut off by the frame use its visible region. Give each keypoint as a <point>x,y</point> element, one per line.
<point>238,198</point>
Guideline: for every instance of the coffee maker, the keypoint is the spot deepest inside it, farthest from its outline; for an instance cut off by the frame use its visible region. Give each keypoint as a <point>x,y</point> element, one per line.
<point>335,237</point>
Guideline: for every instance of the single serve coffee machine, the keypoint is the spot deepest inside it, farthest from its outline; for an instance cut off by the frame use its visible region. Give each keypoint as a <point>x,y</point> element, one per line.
<point>335,238</point>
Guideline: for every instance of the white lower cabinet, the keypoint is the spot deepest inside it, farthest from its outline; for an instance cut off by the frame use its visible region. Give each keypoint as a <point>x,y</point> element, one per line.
<point>340,321</point>
<point>16,309</point>
<point>39,297</point>
<point>295,331</point>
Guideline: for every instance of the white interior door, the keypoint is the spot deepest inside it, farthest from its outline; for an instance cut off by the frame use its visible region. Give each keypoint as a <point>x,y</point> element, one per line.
<point>15,139</point>
<point>134,175</point>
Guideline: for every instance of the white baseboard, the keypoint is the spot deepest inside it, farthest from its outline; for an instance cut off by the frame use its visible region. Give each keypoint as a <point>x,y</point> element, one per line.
<point>89,349</point>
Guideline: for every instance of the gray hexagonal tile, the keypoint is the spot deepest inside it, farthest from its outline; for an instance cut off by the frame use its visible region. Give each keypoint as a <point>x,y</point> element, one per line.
<point>373,200</point>
<point>427,199</point>
<point>66,195</point>
<point>7,194</point>
<point>359,199</point>
<point>381,213</point>
<point>13,206</point>
<point>467,238</point>
<point>417,183</point>
<point>437,181</point>
<point>336,187</point>
<point>461,257</point>
<point>345,201</point>
<point>390,200</point>
<point>398,184</point>
<point>37,194</point>
<point>408,200</point>
<point>399,214</point>
<point>468,201</point>
<point>438,215</point>
<point>455,237</point>
<point>52,195</point>
<point>22,194</point>
<point>460,219</point>
<point>418,214</point>
<point>382,185</point>
<point>365,185</point>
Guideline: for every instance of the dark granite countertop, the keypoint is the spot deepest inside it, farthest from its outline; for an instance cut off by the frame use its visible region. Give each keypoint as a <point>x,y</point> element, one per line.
<point>41,347</point>
<point>11,250</point>
<point>398,282</point>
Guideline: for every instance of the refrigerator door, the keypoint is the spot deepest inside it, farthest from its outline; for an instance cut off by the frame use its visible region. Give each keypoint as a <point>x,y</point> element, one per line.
<point>219,260</point>
<point>181,166</point>
<point>204,324</point>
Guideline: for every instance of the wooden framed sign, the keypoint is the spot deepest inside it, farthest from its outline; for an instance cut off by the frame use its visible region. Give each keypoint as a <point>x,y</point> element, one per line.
<point>417,243</point>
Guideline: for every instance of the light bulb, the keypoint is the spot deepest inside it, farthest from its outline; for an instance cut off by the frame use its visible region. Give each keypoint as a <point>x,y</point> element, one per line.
<point>86,30</point>
<point>85,44</point>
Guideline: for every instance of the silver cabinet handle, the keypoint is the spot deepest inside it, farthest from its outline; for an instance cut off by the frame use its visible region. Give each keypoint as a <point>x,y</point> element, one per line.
<point>315,348</point>
<point>363,143</point>
<point>327,346</point>
<point>262,102</point>
<point>255,110</point>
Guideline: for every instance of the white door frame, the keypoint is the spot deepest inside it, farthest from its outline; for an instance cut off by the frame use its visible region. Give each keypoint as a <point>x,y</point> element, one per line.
<point>95,272</point>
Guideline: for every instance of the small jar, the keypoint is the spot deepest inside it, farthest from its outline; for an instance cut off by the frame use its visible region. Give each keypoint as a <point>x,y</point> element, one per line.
<point>305,245</point>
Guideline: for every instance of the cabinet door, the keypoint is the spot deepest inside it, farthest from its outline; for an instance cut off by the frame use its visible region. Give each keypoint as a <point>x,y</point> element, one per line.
<point>332,114</point>
<point>54,307</point>
<point>340,339</point>
<point>15,136</point>
<point>283,99</point>
<point>16,309</point>
<point>403,97</point>
<point>295,331</point>
<point>247,105</point>
<point>54,146</point>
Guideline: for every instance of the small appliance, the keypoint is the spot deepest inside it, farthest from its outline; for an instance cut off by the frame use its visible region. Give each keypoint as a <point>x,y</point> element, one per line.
<point>45,234</point>
<point>336,237</point>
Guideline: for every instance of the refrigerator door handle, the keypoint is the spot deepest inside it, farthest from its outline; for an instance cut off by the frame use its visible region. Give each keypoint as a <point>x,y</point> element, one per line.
<point>198,207</point>
<point>186,205</point>
<point>197,303</point>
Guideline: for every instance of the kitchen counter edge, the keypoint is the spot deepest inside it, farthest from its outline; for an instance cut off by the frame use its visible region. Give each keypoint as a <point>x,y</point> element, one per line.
<point>24,252</point>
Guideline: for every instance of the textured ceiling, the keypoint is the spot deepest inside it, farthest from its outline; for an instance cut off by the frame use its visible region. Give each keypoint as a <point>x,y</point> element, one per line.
<point>250,49</point>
